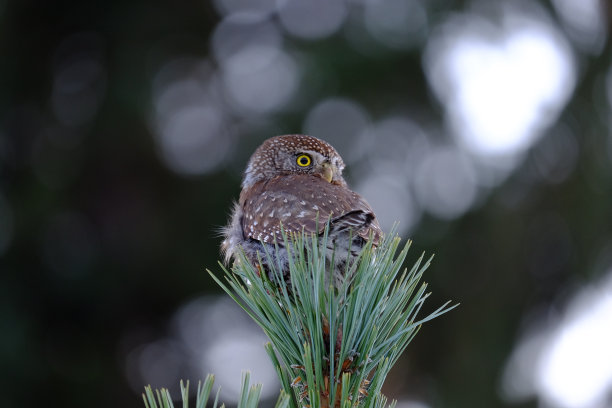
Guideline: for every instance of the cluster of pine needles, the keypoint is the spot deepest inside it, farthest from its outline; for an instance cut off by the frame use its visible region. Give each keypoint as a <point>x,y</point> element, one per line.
<point>333,341</point>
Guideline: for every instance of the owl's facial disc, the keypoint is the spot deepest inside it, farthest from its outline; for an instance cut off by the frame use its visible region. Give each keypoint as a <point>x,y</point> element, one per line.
<point>318,164</point>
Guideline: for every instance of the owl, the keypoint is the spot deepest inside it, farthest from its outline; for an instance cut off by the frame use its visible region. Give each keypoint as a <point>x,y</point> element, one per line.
<point>296,181</point>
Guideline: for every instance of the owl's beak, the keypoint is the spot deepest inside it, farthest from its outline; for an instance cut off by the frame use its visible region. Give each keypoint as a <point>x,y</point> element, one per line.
<point>327,172</point>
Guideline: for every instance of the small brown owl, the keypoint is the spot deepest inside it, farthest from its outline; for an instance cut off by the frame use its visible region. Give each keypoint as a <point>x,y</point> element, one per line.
<point>296,181</point>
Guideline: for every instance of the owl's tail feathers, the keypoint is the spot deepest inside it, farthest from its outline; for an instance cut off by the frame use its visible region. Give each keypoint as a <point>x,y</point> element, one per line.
<point>362,223</point>
<point>355,220</point>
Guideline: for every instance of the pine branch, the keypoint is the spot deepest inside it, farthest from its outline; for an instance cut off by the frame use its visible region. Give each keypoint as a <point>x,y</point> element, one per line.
<point>333,341</point>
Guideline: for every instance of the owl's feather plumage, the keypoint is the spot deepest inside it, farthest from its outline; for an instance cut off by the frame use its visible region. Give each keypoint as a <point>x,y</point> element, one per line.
<point>277,190</point>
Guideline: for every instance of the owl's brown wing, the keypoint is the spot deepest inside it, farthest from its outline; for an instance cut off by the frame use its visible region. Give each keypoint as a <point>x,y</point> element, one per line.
<point>304,202</point>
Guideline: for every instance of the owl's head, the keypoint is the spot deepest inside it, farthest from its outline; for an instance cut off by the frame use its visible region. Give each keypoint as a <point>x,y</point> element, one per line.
<point>294,154</point>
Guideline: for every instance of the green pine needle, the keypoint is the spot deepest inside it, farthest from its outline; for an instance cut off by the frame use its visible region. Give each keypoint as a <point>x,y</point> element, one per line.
<point>249,396</point>
<point>334,339</point>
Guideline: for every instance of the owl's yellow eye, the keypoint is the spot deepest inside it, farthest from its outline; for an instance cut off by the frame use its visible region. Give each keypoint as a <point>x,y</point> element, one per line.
<point>303,160</point>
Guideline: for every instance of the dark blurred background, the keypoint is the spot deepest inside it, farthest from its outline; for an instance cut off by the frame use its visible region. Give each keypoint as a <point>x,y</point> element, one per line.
<point>483,127</point>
